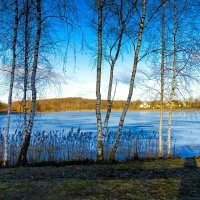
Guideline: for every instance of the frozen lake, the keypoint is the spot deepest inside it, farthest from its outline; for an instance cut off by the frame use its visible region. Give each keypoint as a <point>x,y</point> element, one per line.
<point>185,125</point>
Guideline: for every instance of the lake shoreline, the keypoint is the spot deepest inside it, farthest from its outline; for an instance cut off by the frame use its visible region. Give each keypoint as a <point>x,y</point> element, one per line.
<point>104,110</point>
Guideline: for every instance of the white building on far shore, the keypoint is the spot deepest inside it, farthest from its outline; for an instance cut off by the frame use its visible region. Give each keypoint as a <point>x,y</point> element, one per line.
<point>144,105</point>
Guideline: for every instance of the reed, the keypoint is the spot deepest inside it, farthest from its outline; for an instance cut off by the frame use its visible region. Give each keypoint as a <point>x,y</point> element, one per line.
<point>76,145</point>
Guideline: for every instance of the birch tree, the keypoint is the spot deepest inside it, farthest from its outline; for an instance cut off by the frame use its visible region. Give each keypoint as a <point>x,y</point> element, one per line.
<point>123,12</point>
<point>182,51</point>
<point>185,31</point>
<point>135,63</point>
<point>12,78</point>
<point>113,19</point>
<point>22,160</point>
<point>37,54</point>
<point>98,83</point>
<point>172,81</point>
<point>162,78</point>
<point>26,62</point>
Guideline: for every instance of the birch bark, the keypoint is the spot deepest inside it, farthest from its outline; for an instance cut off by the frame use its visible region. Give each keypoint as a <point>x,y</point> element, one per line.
<point>172,83</point>
<point>26,36</point>
<point>109,100</point>
<point>98,85</point>
<point>22,159</point>
<point>12,78</point>
<point>160,153</point>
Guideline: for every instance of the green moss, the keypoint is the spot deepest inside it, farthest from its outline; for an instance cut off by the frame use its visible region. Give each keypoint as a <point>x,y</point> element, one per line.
<point>118,189</point>
<point>3,187</point>
<point>153,164</point>
<point>74,185</point>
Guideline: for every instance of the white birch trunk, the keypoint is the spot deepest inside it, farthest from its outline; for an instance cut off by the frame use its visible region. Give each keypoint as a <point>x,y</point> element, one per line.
<point>122,118</point>
<point>172,84</point>
<point>26,36</point>
<point>12,78</point>
<point>22,160</point>
<point>109,100</point>
<point>98,85</point>
<point>160,150</point>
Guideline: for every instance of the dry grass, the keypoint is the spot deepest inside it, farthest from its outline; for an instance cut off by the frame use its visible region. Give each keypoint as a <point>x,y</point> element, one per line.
<point>159,179</point>
<point>75,145</point>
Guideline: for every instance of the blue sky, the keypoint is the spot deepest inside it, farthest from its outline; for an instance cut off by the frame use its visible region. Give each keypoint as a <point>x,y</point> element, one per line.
<point>80,81</point>
<point>80,77</point>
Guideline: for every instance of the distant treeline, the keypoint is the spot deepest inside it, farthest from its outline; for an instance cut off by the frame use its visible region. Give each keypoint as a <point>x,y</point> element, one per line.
<point>3,107</point>
<point>76,104</point>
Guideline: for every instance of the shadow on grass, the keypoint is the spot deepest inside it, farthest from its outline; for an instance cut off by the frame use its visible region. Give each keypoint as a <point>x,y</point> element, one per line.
<point>190,185</point>
<point>160,179</point>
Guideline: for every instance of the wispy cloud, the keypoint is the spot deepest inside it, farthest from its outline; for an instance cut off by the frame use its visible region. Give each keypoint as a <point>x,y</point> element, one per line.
<point>58,77</point>
<point>124,77</point>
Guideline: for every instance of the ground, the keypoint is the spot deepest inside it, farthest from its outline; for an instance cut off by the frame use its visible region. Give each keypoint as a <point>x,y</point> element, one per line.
<point>159,179</point>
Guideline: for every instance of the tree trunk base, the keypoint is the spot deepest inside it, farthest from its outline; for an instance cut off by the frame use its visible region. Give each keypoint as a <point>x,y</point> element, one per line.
<point>169,155</point>
<point>4,163</point>
<point>160,155</point>
<point>100,158</point>
<point>22,162</point>
<point>112,155</point>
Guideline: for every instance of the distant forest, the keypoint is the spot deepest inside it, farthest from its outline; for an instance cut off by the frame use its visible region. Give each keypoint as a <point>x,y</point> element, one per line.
<point>78,104</point>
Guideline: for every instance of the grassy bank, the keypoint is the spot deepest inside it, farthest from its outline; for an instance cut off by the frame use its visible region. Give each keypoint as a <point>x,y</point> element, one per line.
<point>160,179</point>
